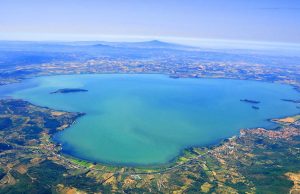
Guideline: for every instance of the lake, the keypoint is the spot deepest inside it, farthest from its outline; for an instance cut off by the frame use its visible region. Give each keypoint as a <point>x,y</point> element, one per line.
<point>149,119</point>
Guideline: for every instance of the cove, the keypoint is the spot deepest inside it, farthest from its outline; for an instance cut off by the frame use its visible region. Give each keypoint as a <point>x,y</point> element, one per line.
<point>145,119</point>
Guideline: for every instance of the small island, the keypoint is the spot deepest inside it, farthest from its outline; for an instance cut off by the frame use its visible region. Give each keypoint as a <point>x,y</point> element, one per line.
<point>250,101</point>
<point>68,90</point>
<point>290,100</point>
<point>255,107</point>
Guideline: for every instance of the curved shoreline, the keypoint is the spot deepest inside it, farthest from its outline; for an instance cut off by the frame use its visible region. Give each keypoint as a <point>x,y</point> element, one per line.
<point>171,162</point>
<point>229,158</point>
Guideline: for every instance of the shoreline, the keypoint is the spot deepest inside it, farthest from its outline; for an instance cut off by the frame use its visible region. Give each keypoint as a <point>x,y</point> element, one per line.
<point>170,75</point>
<point>175,162</point>
<point>171,162</point>
<point>234,155</point>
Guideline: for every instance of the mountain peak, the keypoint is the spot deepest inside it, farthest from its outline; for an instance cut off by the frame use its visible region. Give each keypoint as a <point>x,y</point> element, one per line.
<point>156,42</point>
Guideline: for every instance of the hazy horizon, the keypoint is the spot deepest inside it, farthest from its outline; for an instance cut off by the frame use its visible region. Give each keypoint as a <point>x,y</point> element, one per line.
<point>258,20</point>
<point>283,48</point>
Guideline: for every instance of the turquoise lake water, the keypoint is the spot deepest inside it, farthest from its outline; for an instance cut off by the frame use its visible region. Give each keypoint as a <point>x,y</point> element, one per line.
<point>149,119</point>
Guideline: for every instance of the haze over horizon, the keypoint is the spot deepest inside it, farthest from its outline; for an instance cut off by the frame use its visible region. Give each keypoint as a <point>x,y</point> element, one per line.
<point>188,21</point>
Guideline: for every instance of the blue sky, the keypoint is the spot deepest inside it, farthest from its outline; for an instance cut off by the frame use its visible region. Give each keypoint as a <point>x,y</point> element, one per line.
<point>253,20</point>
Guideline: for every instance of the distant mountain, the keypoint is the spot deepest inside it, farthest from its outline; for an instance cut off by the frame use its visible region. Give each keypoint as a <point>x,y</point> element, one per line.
<point>92,46</point>
<point>146,44</point>
<point>152,44</point>
<point>102,45</point>
<point>149,44</point>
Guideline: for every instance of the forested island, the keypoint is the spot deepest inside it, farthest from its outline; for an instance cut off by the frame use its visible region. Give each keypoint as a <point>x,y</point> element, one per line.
<point>290,100</point>
<point>250,101</point>
<point>68,90</point>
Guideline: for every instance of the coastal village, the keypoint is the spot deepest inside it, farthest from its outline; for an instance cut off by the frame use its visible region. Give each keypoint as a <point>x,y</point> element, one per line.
<point>171,65</point>
<point>149,97</point>
<point>31,161</point>
<point>251,162</point>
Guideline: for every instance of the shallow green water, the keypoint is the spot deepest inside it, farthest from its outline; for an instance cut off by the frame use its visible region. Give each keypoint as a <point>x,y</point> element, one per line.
<point>149,119</point>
